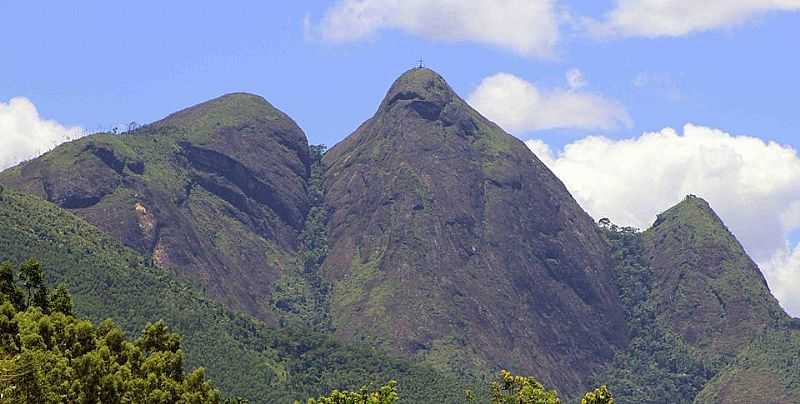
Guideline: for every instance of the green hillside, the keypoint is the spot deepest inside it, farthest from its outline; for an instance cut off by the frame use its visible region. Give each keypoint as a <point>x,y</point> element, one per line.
<point>242,356</point>
<point>767,371</point>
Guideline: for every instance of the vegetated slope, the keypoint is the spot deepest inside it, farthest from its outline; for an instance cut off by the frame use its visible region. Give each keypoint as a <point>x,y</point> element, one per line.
<point>451,243</point>
<point>694,300</point>
<point>242,356</point>
<point>766,371</point>
<point>216,192</point>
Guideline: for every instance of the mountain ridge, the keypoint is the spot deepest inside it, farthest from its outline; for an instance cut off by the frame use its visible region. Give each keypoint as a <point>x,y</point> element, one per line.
<point>437,237</point>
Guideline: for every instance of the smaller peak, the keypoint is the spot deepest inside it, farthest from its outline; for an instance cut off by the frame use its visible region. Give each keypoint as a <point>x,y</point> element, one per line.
<point>419,83</point>
<point>240,96</point>
<point>694,202</point>
<point>238,99</point>
<point>692,210</point>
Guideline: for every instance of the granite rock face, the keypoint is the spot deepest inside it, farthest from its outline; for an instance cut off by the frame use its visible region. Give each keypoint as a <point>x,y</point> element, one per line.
<point>452,243</point>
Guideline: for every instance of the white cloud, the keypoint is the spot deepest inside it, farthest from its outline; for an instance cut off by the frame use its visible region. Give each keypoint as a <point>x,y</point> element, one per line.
<point>660,18</point>
<point>527,27</point>
<point>518,105</point>
<point>24,134</point>
<point>753,185</point>
<point>783,275</point>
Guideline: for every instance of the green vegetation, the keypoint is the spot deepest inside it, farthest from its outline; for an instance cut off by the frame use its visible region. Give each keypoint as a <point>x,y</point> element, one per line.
<point>302,295</point>
<point>768,367</point>
<point>385,395</point>
<point>600,395</point>
<point>507,389</point>
<point>511,389</point>
<point>49,356</point>
<point>658,367</point>
<point>243,356</point>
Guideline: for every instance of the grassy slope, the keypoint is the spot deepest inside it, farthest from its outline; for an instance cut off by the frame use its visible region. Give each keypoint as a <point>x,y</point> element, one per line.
<point>241,355</point>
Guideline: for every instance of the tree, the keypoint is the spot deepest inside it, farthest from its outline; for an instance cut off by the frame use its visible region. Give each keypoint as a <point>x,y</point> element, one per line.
<point>30,273</point>
<point>600,395</point>
<point>9,330</point>
<point>59,358</point>
<point>60,300</point>
<point>511,389</point>
<point>385,395</point>
<point>157,337</point>
<point>8,287</point>
<point>317,151</point>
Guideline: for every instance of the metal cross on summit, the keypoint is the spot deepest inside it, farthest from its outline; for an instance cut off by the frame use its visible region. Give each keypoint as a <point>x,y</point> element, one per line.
<point>420,63</point>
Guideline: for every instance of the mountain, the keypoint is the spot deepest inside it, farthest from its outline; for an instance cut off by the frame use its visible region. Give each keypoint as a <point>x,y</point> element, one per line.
<point>451,243</point>
<point>429,246</point>
<point>216,192</point>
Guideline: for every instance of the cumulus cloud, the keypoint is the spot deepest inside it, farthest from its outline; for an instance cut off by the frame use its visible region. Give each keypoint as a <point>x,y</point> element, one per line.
<point>24,134</point>
<point>783,275</point>
<point>518,105</point>
<point>659,18</point>
<point>751,183</point>
<point>527,27</point>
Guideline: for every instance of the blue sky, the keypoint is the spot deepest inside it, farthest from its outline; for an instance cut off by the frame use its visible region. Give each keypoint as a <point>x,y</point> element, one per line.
<point>98,63</point>
<point>641,66</point>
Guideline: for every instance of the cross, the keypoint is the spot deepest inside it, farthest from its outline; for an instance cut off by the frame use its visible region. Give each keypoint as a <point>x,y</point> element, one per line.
<point>420,64</point>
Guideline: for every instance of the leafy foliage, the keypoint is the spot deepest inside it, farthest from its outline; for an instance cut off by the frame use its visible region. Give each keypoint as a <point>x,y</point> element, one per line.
<point>600,395</point>
<point>385,395</point>
<point>507,389</point>
<point>511,389</point>
<point>51,357</point>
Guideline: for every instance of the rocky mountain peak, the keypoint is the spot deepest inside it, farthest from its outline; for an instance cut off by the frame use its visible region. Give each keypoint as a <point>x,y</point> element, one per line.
<point>419,85</point>
<point>692,210</point>
<point>433,204</point>
<point>710,292</point>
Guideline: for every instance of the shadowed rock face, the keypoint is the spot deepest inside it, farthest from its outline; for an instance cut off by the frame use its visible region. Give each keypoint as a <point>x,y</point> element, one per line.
<point>216,191</point>
<point>451,242</point>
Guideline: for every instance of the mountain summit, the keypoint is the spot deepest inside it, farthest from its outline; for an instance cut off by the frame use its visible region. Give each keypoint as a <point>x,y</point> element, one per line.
<point>453,244</point>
